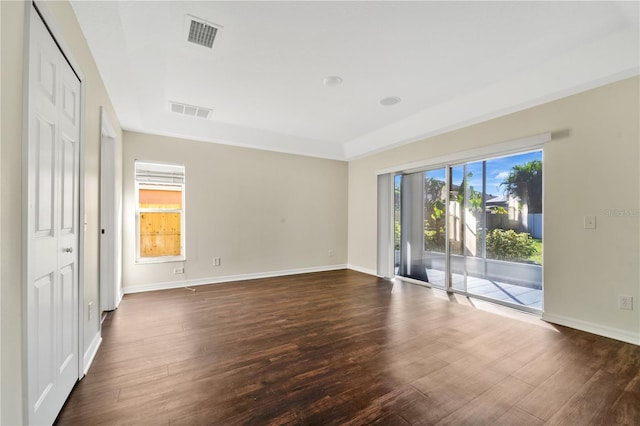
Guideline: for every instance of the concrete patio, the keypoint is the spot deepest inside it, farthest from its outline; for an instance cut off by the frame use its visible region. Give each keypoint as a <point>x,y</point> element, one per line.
<point>491,289</point>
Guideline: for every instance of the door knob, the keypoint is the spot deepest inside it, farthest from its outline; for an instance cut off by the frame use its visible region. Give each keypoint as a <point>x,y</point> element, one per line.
<point>68,249</point>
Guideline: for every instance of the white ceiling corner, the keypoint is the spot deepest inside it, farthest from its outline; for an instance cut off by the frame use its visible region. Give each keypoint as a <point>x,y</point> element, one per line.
<point>451,63</point>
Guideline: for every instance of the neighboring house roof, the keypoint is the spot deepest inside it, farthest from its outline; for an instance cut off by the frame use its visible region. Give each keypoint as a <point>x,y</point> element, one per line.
<point>500,199</point>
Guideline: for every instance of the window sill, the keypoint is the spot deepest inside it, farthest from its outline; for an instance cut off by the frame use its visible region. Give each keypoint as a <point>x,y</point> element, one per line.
<point>167,259</point>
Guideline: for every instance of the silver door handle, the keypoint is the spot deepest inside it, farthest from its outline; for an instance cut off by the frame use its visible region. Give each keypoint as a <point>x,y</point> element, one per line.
<point>68,250</point>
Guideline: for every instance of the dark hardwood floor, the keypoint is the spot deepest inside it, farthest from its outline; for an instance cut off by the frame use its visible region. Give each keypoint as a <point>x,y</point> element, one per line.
<point>346,348</point>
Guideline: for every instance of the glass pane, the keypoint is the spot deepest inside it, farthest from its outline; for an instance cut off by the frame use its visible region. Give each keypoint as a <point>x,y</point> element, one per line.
<point>160,199</point>
<point>421,228</point>
<point>396,221</point>
<point>435,198</point>
<point>160,234</point>
<point>471,203</point>
<point>457,226</point>
<point>506,262</point>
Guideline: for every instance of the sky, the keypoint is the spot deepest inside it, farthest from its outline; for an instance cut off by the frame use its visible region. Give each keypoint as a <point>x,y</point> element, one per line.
<point>497,171</point>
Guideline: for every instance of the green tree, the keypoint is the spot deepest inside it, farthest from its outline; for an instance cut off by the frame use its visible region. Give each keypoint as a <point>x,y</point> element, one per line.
<point>467,190</point>
<point>499,210</point>
<point>433,189</point>
<point>434,213</point>
<point>525,182</point>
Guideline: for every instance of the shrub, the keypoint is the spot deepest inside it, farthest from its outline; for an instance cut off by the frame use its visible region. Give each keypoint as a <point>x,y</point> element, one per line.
<point>510,245</point>
<point>433,239</point>
<point>430,239</point>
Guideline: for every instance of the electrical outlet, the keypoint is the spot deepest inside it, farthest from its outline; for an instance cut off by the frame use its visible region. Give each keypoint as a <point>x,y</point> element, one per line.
<point>330,253</point>
<point>216,261</point>
<point>178,270</point>
<point>625,302</point>
<point>90,310</point>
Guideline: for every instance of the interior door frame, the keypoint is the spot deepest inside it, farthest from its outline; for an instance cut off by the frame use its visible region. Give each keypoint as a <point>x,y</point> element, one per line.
<point>39,8</point>
<point>110,289</point>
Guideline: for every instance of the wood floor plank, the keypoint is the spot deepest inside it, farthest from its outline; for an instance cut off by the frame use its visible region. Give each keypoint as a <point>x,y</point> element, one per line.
<point>553,393</point>
<point>342,347</point>
<point>592,403</point>
<point>450,388</point>
<point>626,410</point>
<point>392,419</point>
<point>516,416</point>
<point>490,405</point>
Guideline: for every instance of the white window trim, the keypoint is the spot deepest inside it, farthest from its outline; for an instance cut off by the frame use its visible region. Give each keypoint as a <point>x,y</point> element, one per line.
<point>141,185</point>
<point>516,146</point>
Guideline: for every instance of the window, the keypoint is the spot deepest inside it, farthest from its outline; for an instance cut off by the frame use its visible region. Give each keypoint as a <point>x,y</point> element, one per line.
<point>159,212</point>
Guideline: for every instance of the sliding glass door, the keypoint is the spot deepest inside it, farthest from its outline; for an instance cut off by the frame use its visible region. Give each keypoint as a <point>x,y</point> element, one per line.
<point>474,228</point>
<point>507,264</point>
<point>420,226</point>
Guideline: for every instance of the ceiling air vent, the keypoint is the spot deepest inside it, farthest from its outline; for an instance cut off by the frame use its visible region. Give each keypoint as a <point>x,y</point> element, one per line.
<point>190,110</point>
<point>201,32</point>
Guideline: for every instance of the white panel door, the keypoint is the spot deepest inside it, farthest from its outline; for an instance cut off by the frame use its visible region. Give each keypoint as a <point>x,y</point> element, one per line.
<point>52,227</point>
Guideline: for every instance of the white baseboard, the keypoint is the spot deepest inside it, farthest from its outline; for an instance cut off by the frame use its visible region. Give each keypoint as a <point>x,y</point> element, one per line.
<point>363,270</point>
<point>91,352</point>
<point>589,327</point>
<point>228,278</point>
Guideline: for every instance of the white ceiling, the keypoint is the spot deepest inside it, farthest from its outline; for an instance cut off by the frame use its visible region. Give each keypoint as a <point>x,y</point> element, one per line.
<point>451,63</point>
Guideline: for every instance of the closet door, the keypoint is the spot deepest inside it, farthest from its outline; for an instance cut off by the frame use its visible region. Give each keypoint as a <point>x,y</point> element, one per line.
<point>52,227</point>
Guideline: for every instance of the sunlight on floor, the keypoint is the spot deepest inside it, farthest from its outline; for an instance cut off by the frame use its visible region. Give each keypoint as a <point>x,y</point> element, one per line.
<point>483,305</point>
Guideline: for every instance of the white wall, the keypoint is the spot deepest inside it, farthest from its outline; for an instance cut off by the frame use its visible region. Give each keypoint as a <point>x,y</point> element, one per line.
<point>0,223</point>
<point>259,211</point>
<point>590,168</point>
<point>10,231</point>
<point>12,72</point>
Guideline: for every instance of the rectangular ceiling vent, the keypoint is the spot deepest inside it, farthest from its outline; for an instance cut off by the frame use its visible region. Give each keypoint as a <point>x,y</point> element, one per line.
<point>190,110</point>
<point>201,32</point>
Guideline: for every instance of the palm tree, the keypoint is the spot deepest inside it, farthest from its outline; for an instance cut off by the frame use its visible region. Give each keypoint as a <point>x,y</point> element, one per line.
<point>525,182</point>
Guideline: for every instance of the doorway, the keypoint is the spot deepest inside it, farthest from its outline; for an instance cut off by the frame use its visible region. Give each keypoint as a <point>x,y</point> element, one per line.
<point>110,218</point>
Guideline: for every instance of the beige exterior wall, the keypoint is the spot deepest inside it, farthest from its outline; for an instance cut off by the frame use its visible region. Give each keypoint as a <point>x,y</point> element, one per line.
<point>12,74</point>
<point>591,167</point>
<point>259,211</point>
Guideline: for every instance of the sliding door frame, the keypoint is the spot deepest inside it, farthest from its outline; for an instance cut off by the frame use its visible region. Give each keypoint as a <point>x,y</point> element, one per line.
<point>514,147</point>
<point>448,280</point>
